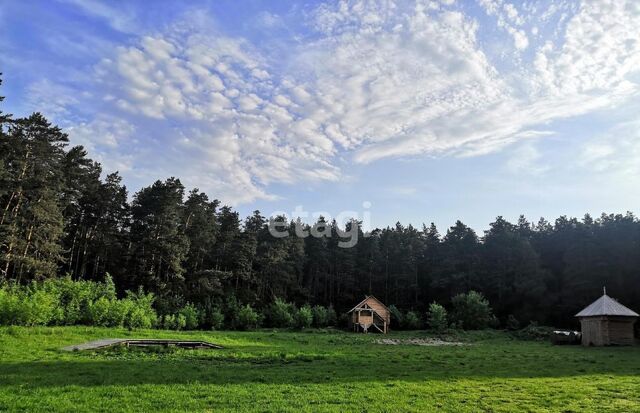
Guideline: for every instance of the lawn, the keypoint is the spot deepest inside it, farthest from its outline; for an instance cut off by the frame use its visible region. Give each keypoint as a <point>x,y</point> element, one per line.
<point>312,371</point>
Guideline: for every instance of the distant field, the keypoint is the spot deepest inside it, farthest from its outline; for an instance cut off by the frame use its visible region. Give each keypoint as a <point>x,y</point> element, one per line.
<point>312,371</point>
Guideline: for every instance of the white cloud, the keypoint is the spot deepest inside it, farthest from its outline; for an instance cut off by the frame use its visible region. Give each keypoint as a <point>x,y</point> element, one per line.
<point>214,118</point>
<point>404,82</point>
<point>507,18</point>
<point>269,20</point>
<point>526,159</point>
<point>615,154</point>
<point>373,80</point>
<point>600,50</point>
<point>120,18</point>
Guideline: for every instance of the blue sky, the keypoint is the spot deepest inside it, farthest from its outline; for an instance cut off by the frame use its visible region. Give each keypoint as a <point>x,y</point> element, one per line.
<point>428,110</point>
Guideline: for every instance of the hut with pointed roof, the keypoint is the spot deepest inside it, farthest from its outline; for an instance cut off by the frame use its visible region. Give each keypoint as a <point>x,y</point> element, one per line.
<point>370,314</point>
<point>606,322</point>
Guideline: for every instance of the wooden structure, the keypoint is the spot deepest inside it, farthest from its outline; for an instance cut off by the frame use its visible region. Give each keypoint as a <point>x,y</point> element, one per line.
<point>606,322</point>
<point>370,313</point>
<point>140,342</point>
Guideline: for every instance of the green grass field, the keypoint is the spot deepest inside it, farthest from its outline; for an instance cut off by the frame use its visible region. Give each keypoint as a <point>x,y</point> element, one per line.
<point>312,371</point>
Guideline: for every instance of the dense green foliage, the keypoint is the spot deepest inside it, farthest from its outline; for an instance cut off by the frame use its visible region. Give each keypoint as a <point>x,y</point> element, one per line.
<point>281,314</point>
<point>437,318</point>
<point>471,311</point>
<point>313,371</point>
<point>60,215</point>
<point>304,317</point>
<point>62,301</point>
<point>412,321</point>
<point>247,319</point>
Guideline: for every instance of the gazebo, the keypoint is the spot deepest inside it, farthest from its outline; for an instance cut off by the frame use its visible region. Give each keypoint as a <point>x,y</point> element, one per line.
<point>369,313</point>
<point>606,322</point>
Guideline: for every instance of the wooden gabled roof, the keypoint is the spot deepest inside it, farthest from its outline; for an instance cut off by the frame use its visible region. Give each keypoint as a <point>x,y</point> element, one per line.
<point>606,306</point>
<point>365,299</point>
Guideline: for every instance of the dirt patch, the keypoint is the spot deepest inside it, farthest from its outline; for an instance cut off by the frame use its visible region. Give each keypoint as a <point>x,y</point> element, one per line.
<point>432,342</point>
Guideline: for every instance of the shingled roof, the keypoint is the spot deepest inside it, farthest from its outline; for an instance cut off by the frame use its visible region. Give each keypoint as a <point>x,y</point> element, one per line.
<point>606,306</point>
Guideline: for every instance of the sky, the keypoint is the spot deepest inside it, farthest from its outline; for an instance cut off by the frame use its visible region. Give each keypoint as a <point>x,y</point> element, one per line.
<point>411,111</point>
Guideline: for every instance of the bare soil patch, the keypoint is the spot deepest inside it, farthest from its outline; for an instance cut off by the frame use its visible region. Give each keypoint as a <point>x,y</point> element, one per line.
<point>433,342</point>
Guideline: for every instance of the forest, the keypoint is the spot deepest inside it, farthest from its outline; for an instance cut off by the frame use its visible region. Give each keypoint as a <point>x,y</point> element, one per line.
<point>61,214</point>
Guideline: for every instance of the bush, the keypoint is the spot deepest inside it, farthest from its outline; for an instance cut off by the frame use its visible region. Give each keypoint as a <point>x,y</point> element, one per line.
<point>142,314</point>
<point>437,317</point>
<point>471,311</point>
<point>216,319</point>
<point>63,301</point>
<point>169,322</point>
<point>304,317</point>
<point>232,312</point>
<point>534,332</point>
<point>512,323</point>
<point>332,317</point>
<point>181,322</point>
<point>412,321</point>
<point>9,306</point>
<point>76,297</point>
<point>137,318</point>
<point>343,320</point>
<point>396,316</point>
<point>320,316</point>
<point>247,318</point>
<point>191,317</point>
<point>99,312</point>
<point>26,305</point>
<point>41,308</point>
<point>281,314</point>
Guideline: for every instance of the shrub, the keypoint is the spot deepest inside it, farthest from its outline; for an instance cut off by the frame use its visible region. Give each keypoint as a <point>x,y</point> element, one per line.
<point>281,314</point>
<point>142,314</point>
<point>412,321</point>
<point>99,312</point>
<point>174,321</point>
<point>76,297</point>
<point>206,311</point>
<point>216,319</point>
<point>332,317</point>
<point>169,322</point>
<point>534,332</point>
<point>117,313</point>
<point>437,317</point>
<point>471,311</point>
<point>396,316</point>
<point>512,323</point>
<point>191,317</point>
<point>38,307</point>
<point>304,317</point>
<point>63,301</point>
<point>138,318</point>
<point>232,312</point>
<point>181,322</point>
<point>343,320</point>
<point>9,306</point>
<point>247,318</point>
<point>320,316</point>
<point>108,288</point>
<point>26,305</point>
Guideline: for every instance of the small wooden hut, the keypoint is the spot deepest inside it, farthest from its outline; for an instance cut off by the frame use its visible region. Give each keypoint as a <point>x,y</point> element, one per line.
<point>606,322</point>
<point>369,313</point>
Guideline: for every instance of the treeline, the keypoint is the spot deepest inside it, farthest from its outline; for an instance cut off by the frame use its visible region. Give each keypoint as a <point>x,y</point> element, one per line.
<point>60,215</point>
